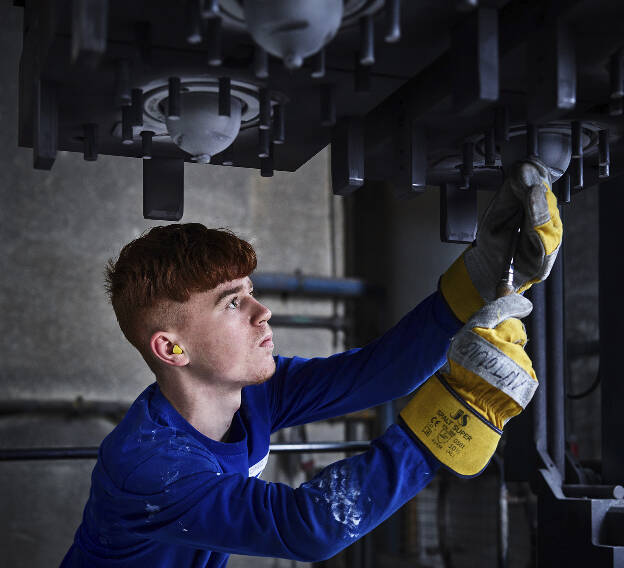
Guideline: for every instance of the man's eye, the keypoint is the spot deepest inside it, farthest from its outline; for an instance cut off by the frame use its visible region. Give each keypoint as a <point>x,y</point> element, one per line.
<point>233,304</point>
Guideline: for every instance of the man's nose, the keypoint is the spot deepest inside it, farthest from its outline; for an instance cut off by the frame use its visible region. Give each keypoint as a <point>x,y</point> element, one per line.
<point>261,314</point>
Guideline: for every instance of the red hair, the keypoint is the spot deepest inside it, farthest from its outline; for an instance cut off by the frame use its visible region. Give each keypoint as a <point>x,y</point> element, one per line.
<point>168,264</point>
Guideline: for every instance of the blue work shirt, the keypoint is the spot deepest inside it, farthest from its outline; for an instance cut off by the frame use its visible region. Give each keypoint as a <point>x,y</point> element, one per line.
<point>163,494</point>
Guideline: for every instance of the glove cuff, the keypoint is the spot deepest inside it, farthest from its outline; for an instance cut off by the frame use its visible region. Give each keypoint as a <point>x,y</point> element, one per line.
<point>459,291</point>
<point>460,438</point>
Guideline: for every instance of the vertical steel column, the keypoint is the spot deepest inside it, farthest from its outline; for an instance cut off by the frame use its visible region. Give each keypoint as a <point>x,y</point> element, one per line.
<point>556,363</point>
<point>536,328</point>
<point>611,314</point>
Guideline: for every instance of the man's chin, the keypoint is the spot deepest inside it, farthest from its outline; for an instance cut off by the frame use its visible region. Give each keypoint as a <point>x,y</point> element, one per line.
<point>264,374</point>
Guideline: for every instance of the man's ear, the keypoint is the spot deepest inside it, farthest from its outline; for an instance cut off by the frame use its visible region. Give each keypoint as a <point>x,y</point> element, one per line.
<point>163,345</point>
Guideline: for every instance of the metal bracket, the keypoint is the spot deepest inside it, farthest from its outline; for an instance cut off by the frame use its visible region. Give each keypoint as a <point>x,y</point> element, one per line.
<point>45,125</point>
<point>163,189</point>
<point>458,214</point>
<point>552,73</point>
<point>474,56</point>
<point>347,155</point>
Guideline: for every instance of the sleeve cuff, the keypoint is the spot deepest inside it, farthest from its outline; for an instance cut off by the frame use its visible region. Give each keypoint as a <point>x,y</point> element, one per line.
<point>443,315</point>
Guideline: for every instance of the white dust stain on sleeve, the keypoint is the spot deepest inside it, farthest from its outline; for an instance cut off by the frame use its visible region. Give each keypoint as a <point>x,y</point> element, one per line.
<point>341,493</point>
<point>151,510</point>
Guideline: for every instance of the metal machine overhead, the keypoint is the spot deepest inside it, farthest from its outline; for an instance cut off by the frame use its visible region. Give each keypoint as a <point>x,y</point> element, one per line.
<point>418,93</point>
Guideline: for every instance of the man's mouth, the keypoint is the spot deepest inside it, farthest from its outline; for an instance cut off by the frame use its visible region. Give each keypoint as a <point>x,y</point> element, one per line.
<point>267,341</point>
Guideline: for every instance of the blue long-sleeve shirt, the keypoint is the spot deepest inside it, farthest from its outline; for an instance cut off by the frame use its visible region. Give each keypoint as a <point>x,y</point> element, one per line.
<point>163,494</point>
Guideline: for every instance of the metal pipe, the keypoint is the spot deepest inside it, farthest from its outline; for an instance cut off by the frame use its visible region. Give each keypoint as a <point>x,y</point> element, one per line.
<point>279,124</point>
<point>261,63</point>
<point>265,109</point>
<point>334,323</point>
<point>328,105</point>
<point>536,330</point>
<point>502,513</point>
<point>532,140</point>
<point>29,454</point>
<point>127,133</point>
<point>318,64</point>
<point>393,21</point>
<point>173,106</point>
<point>225,101</point>
<point>611,312</point>
<point>77,407</point>
<point>367,40</point>
<point>556,364</point>
<point>489,146</point>
<point>137,107</point>
<point>319,286</point>
<point>121,89</point>
<point>604,158</point>
<point>594,491</point>
<point>90,142</point>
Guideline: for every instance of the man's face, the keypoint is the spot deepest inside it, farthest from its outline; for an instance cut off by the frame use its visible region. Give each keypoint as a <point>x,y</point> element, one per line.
<point>227,336</point>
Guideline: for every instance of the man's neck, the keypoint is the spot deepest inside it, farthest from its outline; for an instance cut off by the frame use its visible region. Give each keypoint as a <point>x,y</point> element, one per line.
<point>208,409</point>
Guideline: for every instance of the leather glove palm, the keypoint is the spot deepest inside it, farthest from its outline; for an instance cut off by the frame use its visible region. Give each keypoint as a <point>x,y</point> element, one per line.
<point>459,413</point>
<point>471,280</point>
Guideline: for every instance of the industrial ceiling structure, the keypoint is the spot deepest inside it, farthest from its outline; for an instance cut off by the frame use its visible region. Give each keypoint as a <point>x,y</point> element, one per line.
<point>415,93</point>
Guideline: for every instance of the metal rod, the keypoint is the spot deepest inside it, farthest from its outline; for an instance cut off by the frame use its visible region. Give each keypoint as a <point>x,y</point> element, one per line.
<point>266,163</point>
<point>616,74</point>
<point>564,187</point>
<point>318,65</point>
<point>23,454</point>
<point>577,173</point>
<point>505,285</point>
<point>316,286</point>
<point>261,63</point>
<point>90,142</point>
<point>213,39</point>
<point>328,105</point>
<point>502,513</point>
<point>264,143</point>
<point>279,124</point>
<point>146,148</point>
<point>393,21</point>
<point>594,491</point>
<point>556,365</point>
<point>121,87</point>
<point>577,140</point>
<point>209,8</point>
<point>193,22</point>
<point>173,107</point>
<point>489,144</point>
<point>604,157</point>
<point>536,330</point>
<point>265,109</point>
<point>361,76</point>
<point>610,314</point>
<point>532,140</point>
<point>336,323</point>
<point>367,40</point>
<point>127,134</point>
<point>225,106</point>
<point>501,124</point>
<point>137,107</point>
<point>468,164</point>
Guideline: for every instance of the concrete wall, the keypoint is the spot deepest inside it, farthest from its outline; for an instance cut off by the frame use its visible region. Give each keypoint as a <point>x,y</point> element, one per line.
<point>57,229</point>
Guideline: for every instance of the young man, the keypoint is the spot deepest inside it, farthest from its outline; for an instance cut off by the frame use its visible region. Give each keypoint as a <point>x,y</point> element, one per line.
<point>176,482</point>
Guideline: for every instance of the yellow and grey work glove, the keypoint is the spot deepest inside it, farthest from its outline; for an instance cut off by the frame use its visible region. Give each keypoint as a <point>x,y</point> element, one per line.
<point>526,194</point>
<point>459,413</point>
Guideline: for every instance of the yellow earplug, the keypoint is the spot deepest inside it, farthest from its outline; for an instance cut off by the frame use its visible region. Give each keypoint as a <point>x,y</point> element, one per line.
<point>177,350</point>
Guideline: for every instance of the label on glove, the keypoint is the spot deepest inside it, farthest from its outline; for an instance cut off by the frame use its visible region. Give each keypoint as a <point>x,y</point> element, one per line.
<point>458,437</point>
